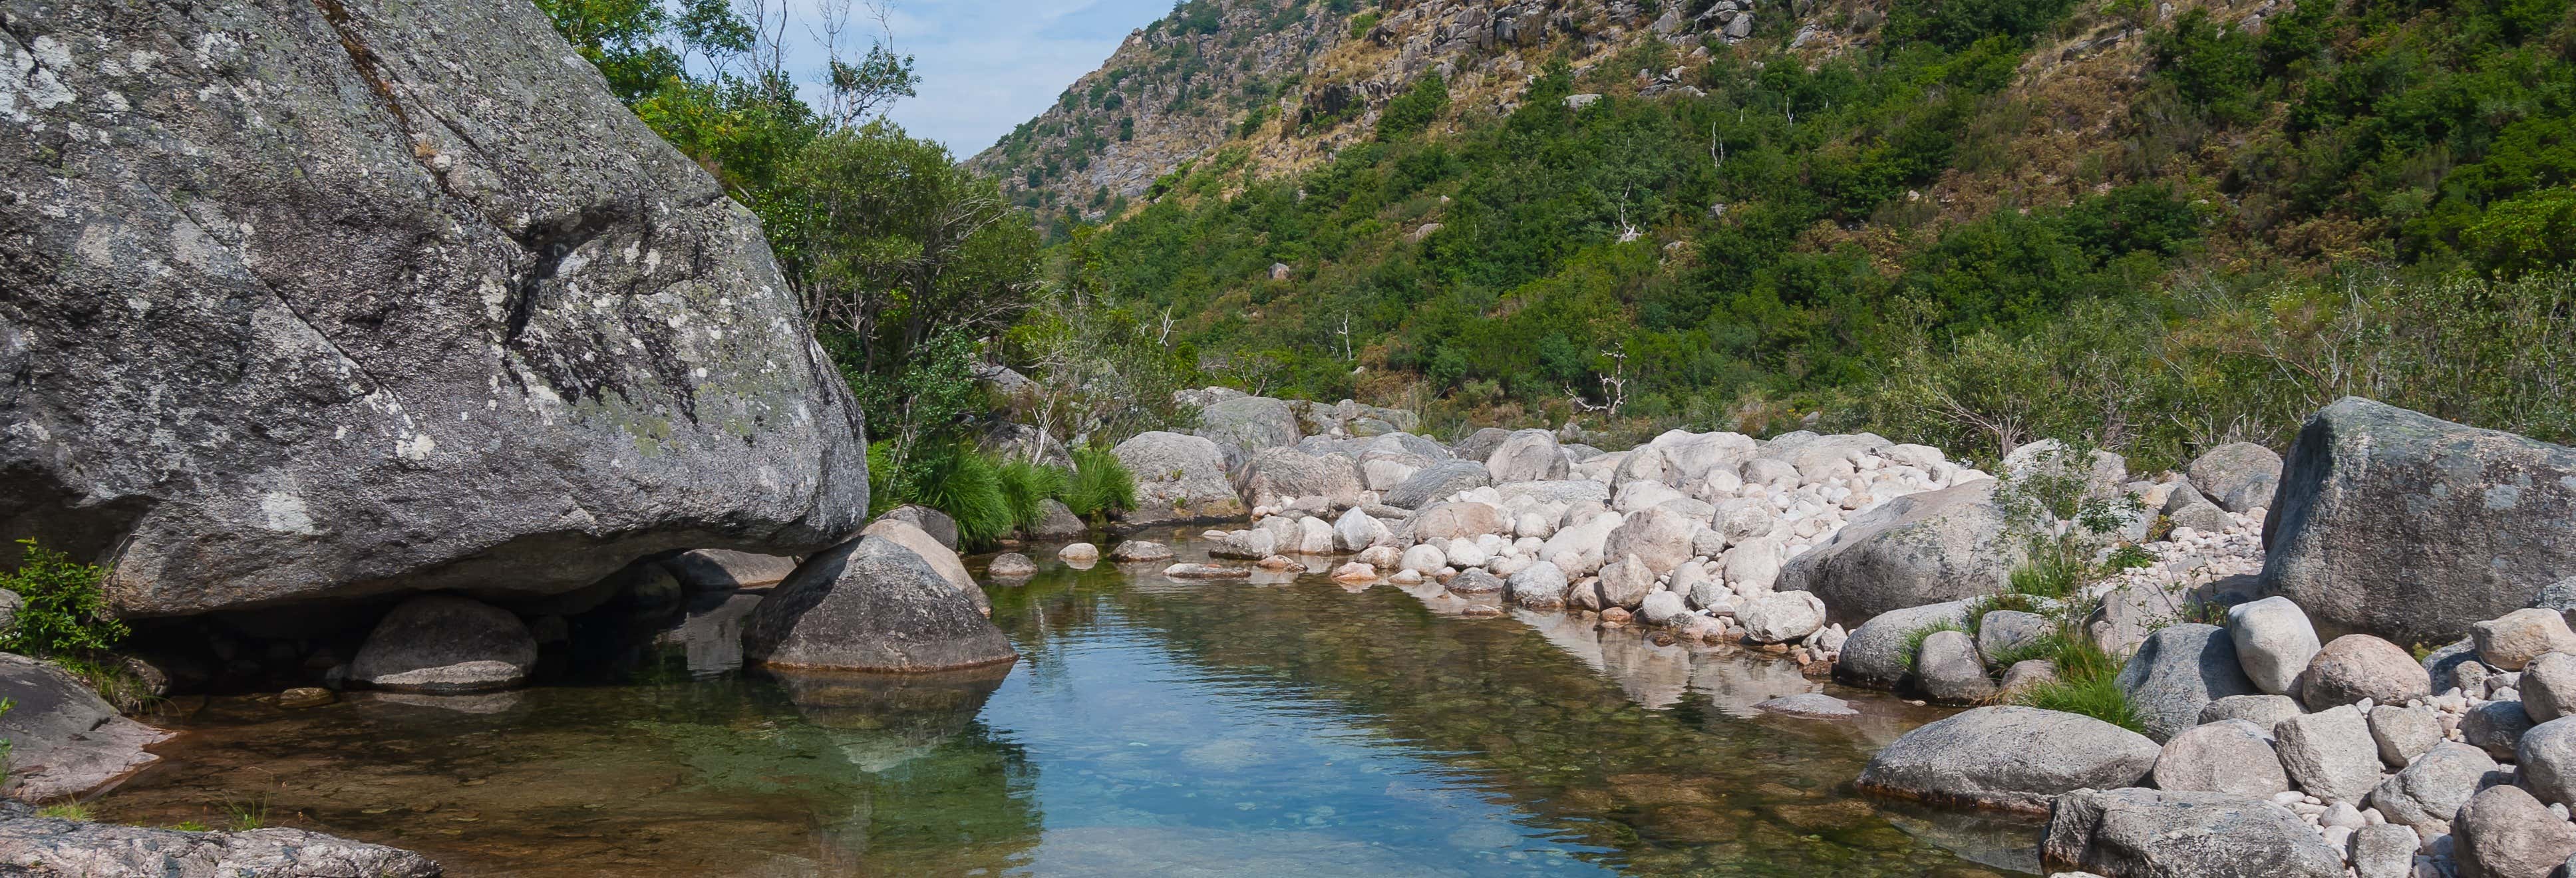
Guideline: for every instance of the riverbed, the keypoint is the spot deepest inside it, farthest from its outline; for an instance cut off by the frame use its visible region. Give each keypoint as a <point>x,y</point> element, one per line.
<point>1285,725</point>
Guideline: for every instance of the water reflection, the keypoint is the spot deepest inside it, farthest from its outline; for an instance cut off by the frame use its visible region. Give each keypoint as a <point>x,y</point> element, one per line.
<point>1152,727</point>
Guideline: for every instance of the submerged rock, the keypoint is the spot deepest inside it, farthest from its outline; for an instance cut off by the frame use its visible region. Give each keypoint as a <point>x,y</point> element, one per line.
<point>47,846</point>
<point>402,304</point>
<point>446,644</point>
<point>871,605</point>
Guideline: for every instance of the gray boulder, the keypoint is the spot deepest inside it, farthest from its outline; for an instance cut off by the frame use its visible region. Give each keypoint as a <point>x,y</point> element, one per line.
<point>931,551</point>
<point>2384,850</point>
<point>1434,483</point>
<point>34,845</point>
<point>339,301</point>
<point>2403,733</point>
<point>1475,581</point>
<point>933,523</point>
<point>2329,754</point>
<point>722,569</point>
<point>2273,639</point>
<point>1249,424</point>
<point>64,741</point>
<point>2548,687</point>
<point>1540,586</point>
<point>2008,758</point>
<point>1781,617</point>
<point>1056,521</point>
<point>1481,444</point>
<point>2178,671</point>
<point>1140,551</point>
<point>1625,582</point>
<point>2228,756</point>
<point>1811,705</point>
<point>871,605</point>
<point>1950,670</point>
<point>1878,654</point>
<point>2238,475</point>
<point>1449,521</point>
<point>2358,666</point>
<point>2264,711</point>
<point>1913,550</point>
<point>2369,486</point>
<point>1659,537</point>
<point>1279,475</point>
<point>1528,455</point>
<point>2101,472</point>
<point>2505,833</point>
<point>2496,727</point>
<point>445,644</point>
<point>2512,640</point>
<point>1011,565</point>
<point>2547,757</point>
<point>2429,791</point>
<point>2164,834</point>
<point>1179,479</point>
<point>2002,632</point>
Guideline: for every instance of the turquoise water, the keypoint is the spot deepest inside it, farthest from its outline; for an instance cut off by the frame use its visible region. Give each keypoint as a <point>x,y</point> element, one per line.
<point>1152,727</point>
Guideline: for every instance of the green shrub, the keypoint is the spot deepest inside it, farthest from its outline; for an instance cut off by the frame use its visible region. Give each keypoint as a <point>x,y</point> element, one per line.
<point>1101,485</point>
<point>65,615</point>
<point>1026,487</point>
<point>2129,557</point>
<point>1361,23</point>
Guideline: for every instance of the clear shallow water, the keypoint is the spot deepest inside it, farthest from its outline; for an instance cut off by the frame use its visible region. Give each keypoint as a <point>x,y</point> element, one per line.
<point>1152,727</point>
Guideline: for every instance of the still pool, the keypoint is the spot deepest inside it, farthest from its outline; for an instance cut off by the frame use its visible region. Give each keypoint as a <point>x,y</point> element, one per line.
<point>1152,727</point>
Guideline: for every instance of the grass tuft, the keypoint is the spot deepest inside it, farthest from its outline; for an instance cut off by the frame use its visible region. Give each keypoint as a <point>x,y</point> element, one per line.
<point>65,811</point>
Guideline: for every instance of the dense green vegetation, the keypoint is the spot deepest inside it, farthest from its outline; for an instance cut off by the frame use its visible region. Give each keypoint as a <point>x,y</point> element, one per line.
<point>2367,198</point>
<point>63,618</point>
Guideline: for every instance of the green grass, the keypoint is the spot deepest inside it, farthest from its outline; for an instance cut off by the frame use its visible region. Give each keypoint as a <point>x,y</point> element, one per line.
<point>1101,485</point>
<point>2098,697</point>
<point>190,826</point>
<point>64,811</point>
<point>247,815</point>
<point>1914,639</point>
<point>2048,576</point>
<point>1026,487</point>
<point>967,485</point>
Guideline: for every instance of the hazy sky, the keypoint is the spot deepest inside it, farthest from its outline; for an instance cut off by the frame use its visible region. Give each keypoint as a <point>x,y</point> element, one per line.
<point>989,65</point>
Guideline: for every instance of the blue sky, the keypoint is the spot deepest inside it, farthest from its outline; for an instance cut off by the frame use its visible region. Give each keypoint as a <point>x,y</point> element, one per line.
<point>989,65</point>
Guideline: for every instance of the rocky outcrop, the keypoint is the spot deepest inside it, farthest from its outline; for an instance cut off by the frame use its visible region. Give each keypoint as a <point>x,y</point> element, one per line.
<point>1179,479</point>
<point>63,739</point>
<point>349,299</point>
<point>47,846</point>
<point>1916,549</point>
<point>2410,527</point>
<point>871,605</point>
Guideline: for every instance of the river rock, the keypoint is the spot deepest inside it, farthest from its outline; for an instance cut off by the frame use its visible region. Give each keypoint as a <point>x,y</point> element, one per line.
<point>1056,521</point>
<point>2228,756</point>
<point>401,304</point>
<point>1659,608</point>
<point>2496,727</point>
<point>1780,617</point>
<point>1913,550</point>
<point>1879,653</point>
<point>1753,566</point>
<point>1949,668</point>
<point>1136,551</point>
<point>2384,850</point>
<point>1356,531</point>
<point>1449,521</point>
<point>1528,455</point>
<point>2273,640</point>
<point>2504,832</point>
<point>1625,583</point>
<point>2429,791</point>
<point>1205,571</point>
<point>1355,572</point>
<point>47,846</point>
<point>1661,538</point>
<point>1248,425</point>
<point>2178,671</point>
<point>2143,832</point>
<point>2358,666</point>
<point>722,569</point>
<point>2403,733</point>
<point>2001,632</point>
<point>2008,758</point>
<point>1540,586</point>
<point>1423,558</point>
<point>2369,486</point>
<point>1474,582</point>
<point>2264,711</point>
<point>2548,687</point>
<point>871,604</point>
<point>2512,640</point>
<point>445,644</point>
<point>2024,676</point>
<point>1179,479</point>
<point>1438,482</point>
<point>2238,476</point>
<point>1246,545</point>
<point>1813,705</point>
<point>65,741</point>
<point>904,532</point>
<point>2547,757</point>
<point>932,522</point>
<point>2329,754</point>
<point>1011,565</point>
<point>1078,553</point>
<point>1276,476</point>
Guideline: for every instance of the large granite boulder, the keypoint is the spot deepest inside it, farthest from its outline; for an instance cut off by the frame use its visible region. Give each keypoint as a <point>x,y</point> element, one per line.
<point>1437,482</point>
<point>2429,791</point>
<point>1527,456</point>
<point>2403,525</point>
<point>2008,759</point>
<point>2178,671</point>
<point>1179,479</point>
<point>1248,424</point>
<point>871,605</point>
<point>1277,476</point>
<point>2506,833</point>
<point>445,644</point>
<point>2143,832</point>
<point>64,740</point>
<point>1879,654</point>
<point>33,845</point>
<point>1918,549</point>
<point>2229,756</point>
<point>2237,476</point>
<point>358,298</point>
<point>2358,666</point>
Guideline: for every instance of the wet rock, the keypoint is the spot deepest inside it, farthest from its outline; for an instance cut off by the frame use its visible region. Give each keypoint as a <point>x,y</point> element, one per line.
<point>2264,711</point>
<point>1438,482</point>
<point>2178,671</point>
<point>1246,545</point>
<point>1780,617</point>
<point>2547,757</point>
<point>1179,479</point>
<point>47,846</point>
<point>2358,666</point>
<point>1913,550</point>
<point>1078,553</point>
<point>445,644</point>
<point>2273,639</point>
<point>725,569</point>
<point>65,741</point>
<point>1540,586</point>
<point>1278,563</point>
<point>2008,758</point>
<point>1205,571</point>
<point>1879,653</point>
<point>2505,833</point>
<point>306,696</point>
<point>1950,670</point>
<point>871,605</point>
<point>2403,733</point>
<point>2238,476</point>
<point>2329,754</point>
<point>1137,551</point>
<point>1812,705</point>
<point>2496,727</point>
<point>932,523</point>
<point>2143,832</point>
<point>2429,791</point>
<point>2229,756</point>
<point>1012,565</point>
<point>2512,640</point>
<point>2369,486</point>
